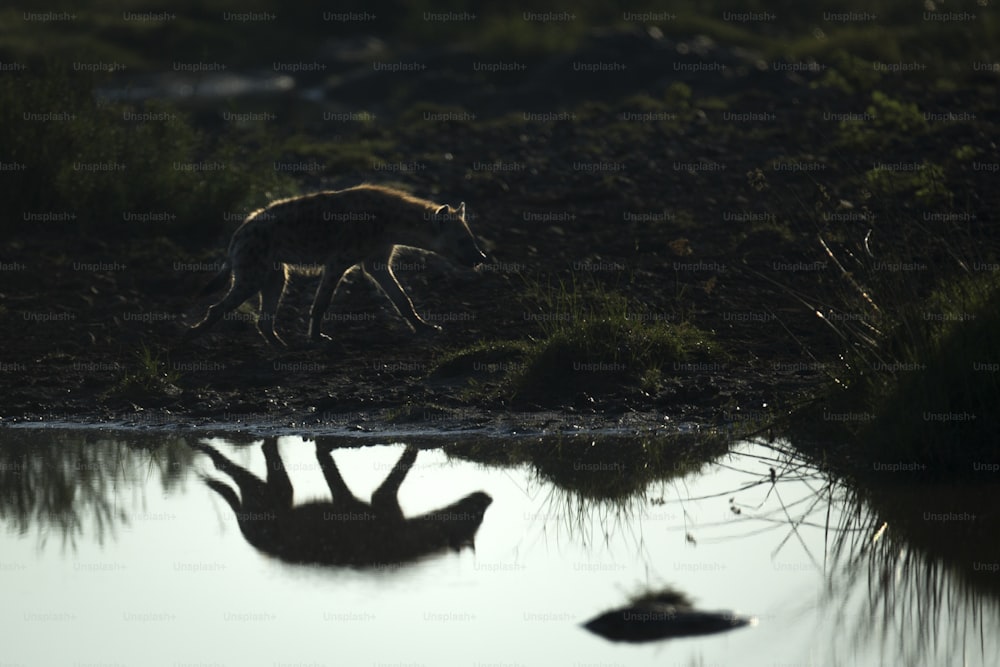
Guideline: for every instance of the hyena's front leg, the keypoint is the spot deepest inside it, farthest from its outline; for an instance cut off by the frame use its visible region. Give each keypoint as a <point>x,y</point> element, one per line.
<point>379,269</point>
<point>274,495</point>
<point>240,290</point>
<point>333,276</point>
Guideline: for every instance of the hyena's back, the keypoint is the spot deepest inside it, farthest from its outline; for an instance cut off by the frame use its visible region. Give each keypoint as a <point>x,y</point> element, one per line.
<point>314,228</point>
<point>336,230</point>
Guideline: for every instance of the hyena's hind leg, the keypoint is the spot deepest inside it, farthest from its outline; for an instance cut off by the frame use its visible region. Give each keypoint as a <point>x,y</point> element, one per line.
<point>241,288</point>
<point>273,495</point>
<point>270,299</point>
<point>278,484</point>
<point>379,269</point>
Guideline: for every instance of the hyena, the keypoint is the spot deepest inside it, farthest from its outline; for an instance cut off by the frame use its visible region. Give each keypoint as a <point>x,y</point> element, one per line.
<point>335,230</point>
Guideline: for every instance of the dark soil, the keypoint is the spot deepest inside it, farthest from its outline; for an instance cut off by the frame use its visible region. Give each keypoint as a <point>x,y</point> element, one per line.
<point>74,333</point>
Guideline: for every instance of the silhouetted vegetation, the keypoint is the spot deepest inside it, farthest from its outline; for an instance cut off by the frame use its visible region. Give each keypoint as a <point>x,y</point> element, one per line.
<point>120,171</point>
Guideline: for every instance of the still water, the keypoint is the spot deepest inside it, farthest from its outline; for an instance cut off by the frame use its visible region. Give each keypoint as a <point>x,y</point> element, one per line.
<point>122,549</point>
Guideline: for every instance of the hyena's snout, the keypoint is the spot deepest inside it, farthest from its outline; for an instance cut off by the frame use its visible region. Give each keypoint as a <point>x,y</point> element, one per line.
<point>469,253</point>
<point>476,257</point>
<point>465,252</point>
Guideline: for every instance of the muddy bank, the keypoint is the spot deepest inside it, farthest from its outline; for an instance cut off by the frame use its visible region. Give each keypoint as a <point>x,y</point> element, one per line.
<point>699,199</point>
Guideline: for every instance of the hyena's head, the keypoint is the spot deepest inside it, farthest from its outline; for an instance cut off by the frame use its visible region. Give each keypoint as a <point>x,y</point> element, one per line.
<point>453,238</point>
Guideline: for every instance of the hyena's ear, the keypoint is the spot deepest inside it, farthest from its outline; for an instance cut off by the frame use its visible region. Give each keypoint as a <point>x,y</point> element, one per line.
<point>443,210</point>
<point>460,211</point>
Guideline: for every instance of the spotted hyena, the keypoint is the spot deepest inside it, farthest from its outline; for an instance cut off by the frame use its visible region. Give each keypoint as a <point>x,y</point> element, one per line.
<point>335,230</point>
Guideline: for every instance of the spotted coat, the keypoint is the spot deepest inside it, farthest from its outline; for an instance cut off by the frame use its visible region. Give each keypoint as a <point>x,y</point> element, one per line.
<point>334,231</point>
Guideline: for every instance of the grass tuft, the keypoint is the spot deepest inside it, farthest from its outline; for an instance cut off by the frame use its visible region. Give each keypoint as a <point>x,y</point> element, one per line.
<point>593,341</point>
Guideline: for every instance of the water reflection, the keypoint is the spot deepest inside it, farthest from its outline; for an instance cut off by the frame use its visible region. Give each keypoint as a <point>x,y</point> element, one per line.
<point>917,571</point>
<point>600,468</point>
<point>344,531</point>
<point>68,482</point>
<point>910,568</point>
<point>838,571</point>
<point>663,614</point>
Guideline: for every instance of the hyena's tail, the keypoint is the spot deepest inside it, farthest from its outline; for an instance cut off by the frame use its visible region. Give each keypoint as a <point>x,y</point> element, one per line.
<point>218,281</point>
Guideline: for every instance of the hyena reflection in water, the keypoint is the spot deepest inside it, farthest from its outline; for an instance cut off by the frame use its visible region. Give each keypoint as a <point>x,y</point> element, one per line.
<point>346,531</point>
<point>335,231</point>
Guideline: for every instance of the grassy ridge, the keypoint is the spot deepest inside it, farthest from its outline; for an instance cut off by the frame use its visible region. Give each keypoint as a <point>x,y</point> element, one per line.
<point>256,33</point>
<point>121,170</point>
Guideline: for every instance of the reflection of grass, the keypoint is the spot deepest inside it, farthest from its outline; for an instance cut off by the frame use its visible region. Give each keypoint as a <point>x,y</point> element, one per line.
<point>617,468</point>
<point>927,583</point>
<point>607,467</point>
<point>70,481</point>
